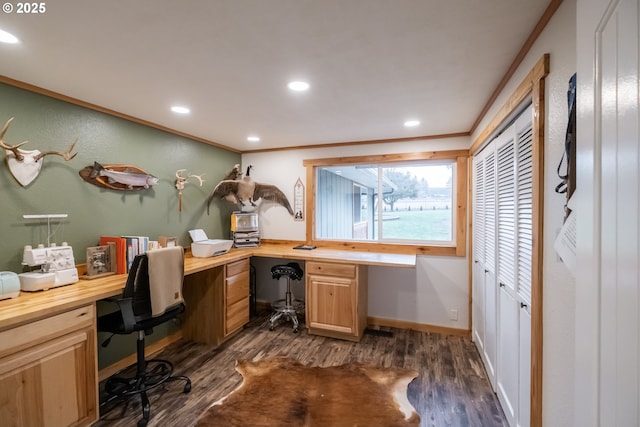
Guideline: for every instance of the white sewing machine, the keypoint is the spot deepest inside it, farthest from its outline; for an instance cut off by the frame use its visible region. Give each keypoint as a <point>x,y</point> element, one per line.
<point>57,267</point>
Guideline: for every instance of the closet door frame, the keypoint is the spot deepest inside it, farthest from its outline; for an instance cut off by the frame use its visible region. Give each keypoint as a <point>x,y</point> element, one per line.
<point>531,88</point>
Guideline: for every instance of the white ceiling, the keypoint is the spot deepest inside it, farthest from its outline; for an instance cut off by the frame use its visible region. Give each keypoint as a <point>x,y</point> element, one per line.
<point>372,64</point>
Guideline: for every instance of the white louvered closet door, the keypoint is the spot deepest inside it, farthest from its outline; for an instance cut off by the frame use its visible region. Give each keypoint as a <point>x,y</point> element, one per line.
<point>524,254</point>
<point>484,311</point>
<point>478,311</point>
<point>514,149</point>
<point>525,213</point>
<point>507,365</point>
<point>503,241</point>
<point>490,285</point>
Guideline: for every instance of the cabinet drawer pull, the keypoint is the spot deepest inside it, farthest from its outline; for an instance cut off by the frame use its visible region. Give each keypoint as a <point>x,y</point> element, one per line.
<point>523,305</point>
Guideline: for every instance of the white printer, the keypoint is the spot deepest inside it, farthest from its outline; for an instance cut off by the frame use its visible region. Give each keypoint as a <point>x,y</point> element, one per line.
<point>9,285</point>
<point>203,247</point>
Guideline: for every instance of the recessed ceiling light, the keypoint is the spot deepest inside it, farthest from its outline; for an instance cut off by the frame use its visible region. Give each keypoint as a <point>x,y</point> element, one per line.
<point>7,37</point>
<point>298,86</point>
<point>253,138</point>
<point>412,123</point>
<point>180,109</point>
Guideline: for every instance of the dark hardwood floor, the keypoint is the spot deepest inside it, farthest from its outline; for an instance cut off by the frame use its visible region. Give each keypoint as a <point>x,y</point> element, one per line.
<point>451,390</point>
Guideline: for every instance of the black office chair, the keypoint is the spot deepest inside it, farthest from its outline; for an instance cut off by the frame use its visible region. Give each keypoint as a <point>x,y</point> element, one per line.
<point>289,307</point>
<point>152,295</point>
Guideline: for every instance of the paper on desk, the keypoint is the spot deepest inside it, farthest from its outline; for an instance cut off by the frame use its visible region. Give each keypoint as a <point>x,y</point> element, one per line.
<point>565,244</point>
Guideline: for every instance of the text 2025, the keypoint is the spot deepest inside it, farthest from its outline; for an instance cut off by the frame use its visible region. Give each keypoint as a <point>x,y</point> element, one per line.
<point>31,7</point>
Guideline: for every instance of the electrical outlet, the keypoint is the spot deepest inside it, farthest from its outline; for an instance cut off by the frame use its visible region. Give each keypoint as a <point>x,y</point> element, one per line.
<point>453,314</point>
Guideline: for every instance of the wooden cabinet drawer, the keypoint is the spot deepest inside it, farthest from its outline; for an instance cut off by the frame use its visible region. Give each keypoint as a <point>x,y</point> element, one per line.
<point>237,267</point>
<point>237,287</point>
<point>237,315</point>
<point>236,299</point>
<point>39,331</point>
<point>330,269</point>
<point>48,371</point>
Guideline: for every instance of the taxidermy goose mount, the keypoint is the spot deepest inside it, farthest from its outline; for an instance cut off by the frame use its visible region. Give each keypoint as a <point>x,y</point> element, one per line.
<point>247,193</point>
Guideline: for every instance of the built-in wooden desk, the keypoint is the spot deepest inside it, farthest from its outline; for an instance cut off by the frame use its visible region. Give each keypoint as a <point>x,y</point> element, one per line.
<point>31,306</point>
<point>336,288</point>
<point>50,337</point>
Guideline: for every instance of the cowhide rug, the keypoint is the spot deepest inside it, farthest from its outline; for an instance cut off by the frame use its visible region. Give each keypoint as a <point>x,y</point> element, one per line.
<point>282,392</point>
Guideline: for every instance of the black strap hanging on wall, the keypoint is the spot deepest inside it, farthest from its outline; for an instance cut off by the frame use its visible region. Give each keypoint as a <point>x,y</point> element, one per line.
<point>566,167</point>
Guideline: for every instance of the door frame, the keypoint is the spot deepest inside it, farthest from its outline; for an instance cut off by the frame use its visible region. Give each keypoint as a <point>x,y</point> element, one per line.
<point>533,88</point>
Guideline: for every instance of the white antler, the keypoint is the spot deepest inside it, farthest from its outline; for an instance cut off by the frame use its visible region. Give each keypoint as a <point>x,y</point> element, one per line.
<point>198,178</point>
<point>14,148</point>
<point>67,155</point>
<point>182,180</point>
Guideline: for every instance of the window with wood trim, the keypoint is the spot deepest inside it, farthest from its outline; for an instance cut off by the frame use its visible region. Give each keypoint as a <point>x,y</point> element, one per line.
<point>410,203</point>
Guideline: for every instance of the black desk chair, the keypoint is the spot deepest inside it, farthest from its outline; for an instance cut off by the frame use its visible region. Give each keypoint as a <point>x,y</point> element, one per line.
<point>289,307</point>
<point>152,295</point>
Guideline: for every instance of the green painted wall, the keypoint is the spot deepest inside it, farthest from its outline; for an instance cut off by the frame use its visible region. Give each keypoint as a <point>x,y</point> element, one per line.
<point>51,124</point>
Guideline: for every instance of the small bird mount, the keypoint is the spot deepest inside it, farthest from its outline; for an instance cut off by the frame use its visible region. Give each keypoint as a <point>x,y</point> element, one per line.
<point>25,165</point>
<point>182,180</point>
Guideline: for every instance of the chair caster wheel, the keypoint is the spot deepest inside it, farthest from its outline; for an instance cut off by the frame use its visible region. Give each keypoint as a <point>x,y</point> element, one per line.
<point>143,423</point>
<point>271,328</point>
<point>295,330</point>
<point>187,388</point>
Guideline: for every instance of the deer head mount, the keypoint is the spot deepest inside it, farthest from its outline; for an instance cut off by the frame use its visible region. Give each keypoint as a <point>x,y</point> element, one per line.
<point>25,165</point>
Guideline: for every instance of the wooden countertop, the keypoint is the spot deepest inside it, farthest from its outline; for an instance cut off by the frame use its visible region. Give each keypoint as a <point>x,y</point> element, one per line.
<point>30,306</point>
<point>272,250</point>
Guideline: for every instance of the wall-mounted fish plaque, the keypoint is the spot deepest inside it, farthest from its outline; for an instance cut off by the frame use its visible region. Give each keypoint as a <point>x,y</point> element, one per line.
<point>118,177</point>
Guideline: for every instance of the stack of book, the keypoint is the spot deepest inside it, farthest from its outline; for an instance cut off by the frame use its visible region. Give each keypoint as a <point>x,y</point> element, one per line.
<point>127,247</point>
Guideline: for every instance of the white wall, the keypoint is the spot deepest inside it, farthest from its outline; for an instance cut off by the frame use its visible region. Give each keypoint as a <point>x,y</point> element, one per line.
<point>558,39</point>
<point>422,295</point>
